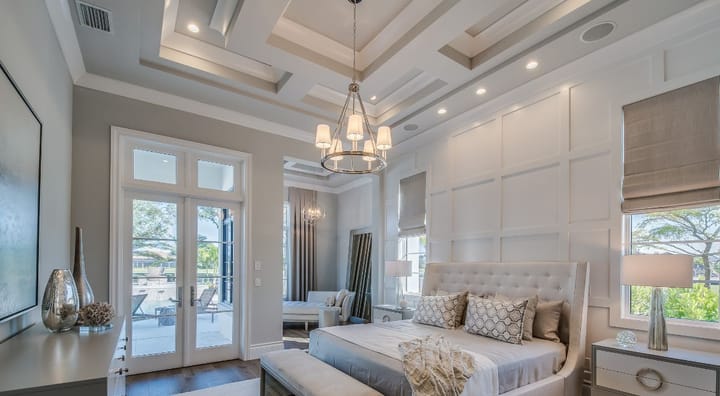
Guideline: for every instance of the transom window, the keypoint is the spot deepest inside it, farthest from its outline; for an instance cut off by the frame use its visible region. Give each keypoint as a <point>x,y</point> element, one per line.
<point>693,231</point>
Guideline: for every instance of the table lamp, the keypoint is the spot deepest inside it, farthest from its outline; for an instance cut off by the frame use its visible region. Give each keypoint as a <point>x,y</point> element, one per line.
<point>658,271</point>
<point>397,270</point>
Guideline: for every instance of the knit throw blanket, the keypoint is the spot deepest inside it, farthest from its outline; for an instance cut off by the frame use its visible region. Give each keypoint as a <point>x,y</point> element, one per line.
<point>434,367</point>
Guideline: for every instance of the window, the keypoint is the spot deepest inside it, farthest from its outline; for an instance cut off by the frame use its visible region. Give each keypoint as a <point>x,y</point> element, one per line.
<point>694,231</point>
<point>412,248</point>
<point>286,248</point>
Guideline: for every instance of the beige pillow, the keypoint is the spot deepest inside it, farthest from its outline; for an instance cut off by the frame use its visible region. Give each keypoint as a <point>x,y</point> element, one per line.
<point>496,318</point>
<point>439,311</point>
<point>340,296</point>
<point>529,317</point>
<point>460,308</point>
<point>547,320</point>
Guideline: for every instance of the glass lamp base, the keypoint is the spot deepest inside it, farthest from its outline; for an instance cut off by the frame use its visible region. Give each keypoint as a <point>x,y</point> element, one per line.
<point>657,333</point>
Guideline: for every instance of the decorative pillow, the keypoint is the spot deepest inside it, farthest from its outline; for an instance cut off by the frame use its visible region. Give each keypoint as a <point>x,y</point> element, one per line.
<point>330,301</point>
<point>495,318</point>
<point>460,308</point>
<point>340,296</point>
<point>547,320</point>
<point>439,311</point>
<point>529,316</point>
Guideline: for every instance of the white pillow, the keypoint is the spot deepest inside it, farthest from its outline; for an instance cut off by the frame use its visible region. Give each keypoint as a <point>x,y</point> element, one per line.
<point>330,301</point>
<point>340,296</point>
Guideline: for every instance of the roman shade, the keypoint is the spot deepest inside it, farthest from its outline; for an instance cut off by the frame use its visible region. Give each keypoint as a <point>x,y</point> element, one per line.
<point>672,157</point>
<point>411,220</point>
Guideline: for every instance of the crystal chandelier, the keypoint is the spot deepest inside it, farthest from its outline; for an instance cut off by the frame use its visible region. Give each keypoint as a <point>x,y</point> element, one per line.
<point>313,214</point>
<point>351,152</point>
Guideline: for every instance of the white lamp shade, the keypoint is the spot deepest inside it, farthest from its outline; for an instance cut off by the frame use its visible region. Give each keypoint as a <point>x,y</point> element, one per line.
<point>368,148</point>
<point>355,127</point>
<point>322,136</point>
<point>657,270</point>
<point>398,269</point>
<point>384,138</point>
<point>337,146</point>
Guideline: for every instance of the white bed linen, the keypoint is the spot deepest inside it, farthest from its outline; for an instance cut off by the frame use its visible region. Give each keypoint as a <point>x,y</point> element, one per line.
<point>515,365</point>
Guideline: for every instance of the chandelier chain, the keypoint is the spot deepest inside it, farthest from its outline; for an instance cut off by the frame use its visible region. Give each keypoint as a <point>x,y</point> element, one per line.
<point>354,39</point>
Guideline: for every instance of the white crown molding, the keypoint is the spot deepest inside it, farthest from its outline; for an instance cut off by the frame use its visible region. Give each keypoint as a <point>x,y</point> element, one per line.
<point>132,91</point>
<point>65,31</point>
<point>319,187</point>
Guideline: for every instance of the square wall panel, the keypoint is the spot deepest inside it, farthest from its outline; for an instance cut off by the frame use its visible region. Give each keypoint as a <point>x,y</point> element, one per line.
<point>469,250</point>
<point>589,188</point>
<point>533,132</point>
<point>539,247</point>
<point>476,208</point>
<point>440,218</point>
<point>593,246</point>
<point>591,104</point>
<point>475,152</point>
<point>440,252</point>
<point>530,199</point>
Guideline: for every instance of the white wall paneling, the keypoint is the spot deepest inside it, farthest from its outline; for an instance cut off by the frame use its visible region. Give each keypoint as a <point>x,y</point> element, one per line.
<point>589,181</point>
<point>533,132</point>
<point>475,208</point>
<point>530,198</point>
<point>439,219</point>
<point>593,246</point>
<point>534,247</point>
<point>466,250</point>
<point>474,152</point>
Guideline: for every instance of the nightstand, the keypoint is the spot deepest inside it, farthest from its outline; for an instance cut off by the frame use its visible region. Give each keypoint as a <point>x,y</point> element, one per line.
<point>641,371</point>
<point>388,313</point>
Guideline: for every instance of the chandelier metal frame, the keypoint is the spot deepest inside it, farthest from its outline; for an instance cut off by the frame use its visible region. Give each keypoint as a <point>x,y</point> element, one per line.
<point>357,160</point>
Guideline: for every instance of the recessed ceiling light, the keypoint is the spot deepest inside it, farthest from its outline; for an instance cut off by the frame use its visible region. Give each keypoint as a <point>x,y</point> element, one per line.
<point>531,65</point>
<point>442,110</point>
<point>373,97</point>
<point>165,161</point>
<point>481,91</point>
<point>193,28</point>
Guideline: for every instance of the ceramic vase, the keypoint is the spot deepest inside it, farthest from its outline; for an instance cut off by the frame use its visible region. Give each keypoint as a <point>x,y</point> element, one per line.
<point>60,303</point>
<point>83,286</point>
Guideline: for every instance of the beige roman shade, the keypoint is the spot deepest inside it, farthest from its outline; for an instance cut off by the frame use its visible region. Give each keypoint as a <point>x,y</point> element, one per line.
<point>672,157</point>
<point>411,220</point>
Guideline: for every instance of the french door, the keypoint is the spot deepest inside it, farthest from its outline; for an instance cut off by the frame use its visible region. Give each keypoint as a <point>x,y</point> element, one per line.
<point>177,250</point>
<point>183,255</point>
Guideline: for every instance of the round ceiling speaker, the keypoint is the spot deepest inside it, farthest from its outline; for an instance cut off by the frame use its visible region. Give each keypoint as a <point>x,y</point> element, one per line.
<point>597,32</point>
<point>410,127</point>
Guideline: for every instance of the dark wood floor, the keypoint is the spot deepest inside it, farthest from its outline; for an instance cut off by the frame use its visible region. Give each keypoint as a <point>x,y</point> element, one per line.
<point>188,379</point>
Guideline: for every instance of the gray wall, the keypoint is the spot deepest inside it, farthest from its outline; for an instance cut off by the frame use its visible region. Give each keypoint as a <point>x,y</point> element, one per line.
<point>94,113</point>
<point>31,54</point>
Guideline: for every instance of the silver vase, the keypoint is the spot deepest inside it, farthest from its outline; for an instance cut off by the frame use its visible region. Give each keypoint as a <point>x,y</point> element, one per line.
<point>83,286</point>
<point>60,303</point>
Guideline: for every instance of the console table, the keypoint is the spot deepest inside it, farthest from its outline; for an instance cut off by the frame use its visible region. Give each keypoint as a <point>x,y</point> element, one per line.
<point>41,363</point>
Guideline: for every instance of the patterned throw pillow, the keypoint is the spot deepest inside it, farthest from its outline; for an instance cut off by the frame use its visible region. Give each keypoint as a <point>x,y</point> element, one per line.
<point>460,308</point>
<point>495,318</point>
<point>439,311</point>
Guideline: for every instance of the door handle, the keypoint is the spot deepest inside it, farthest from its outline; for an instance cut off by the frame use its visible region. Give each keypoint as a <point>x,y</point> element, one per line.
<point>178,300</point>
<point>193,300</point>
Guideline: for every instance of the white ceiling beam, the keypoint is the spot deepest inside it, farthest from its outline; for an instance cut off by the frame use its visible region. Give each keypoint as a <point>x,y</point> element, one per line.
<point>65,31</point>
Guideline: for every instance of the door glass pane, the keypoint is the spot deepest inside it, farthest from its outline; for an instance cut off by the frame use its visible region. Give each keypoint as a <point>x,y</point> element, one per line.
<point>214,287</point>
<point>154,249</point>
<point>154,167</point>
<point>214,176</point>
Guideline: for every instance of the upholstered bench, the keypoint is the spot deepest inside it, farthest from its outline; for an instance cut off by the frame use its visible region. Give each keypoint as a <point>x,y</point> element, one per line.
<point>303,375</point>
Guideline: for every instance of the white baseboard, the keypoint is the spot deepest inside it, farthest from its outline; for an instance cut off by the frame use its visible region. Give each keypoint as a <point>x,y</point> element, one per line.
<point>256,350</point>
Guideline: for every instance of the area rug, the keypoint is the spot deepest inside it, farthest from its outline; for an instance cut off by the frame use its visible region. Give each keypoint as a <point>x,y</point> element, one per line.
<point>242,388</point>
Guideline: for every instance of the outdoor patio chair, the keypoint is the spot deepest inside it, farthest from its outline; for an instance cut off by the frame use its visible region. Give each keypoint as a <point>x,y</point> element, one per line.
<point>205,304</point>
<point>137,300</point>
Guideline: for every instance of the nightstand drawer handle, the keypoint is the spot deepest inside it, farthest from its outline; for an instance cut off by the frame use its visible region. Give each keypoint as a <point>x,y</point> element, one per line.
<point>641,375</point>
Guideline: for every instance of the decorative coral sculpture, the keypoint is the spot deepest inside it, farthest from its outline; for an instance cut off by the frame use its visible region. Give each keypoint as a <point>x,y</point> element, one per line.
<point>97,314</point>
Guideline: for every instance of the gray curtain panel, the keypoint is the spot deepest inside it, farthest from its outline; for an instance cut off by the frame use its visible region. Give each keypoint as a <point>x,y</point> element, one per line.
<point>303,270</point>
<point>359,276</point>
<point>672,151</point>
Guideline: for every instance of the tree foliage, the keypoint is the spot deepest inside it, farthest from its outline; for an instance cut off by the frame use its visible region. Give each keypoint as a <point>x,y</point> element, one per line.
<point>683,231</point>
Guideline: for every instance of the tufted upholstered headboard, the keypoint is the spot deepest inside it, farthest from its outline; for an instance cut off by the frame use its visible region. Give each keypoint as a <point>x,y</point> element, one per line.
<point>548,280</point>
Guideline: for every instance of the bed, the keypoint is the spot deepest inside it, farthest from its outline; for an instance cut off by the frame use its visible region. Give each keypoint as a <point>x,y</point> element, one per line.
<point>537,367</point>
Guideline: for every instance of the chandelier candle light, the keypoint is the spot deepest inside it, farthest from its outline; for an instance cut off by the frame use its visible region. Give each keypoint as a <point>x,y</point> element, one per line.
<point>351,152</point>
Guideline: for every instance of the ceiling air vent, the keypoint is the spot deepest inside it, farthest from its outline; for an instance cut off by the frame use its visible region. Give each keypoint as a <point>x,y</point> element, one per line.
<point>93,16</point>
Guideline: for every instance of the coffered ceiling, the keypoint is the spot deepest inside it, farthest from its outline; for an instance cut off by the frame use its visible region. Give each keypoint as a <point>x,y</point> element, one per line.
<point>290,61</point>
